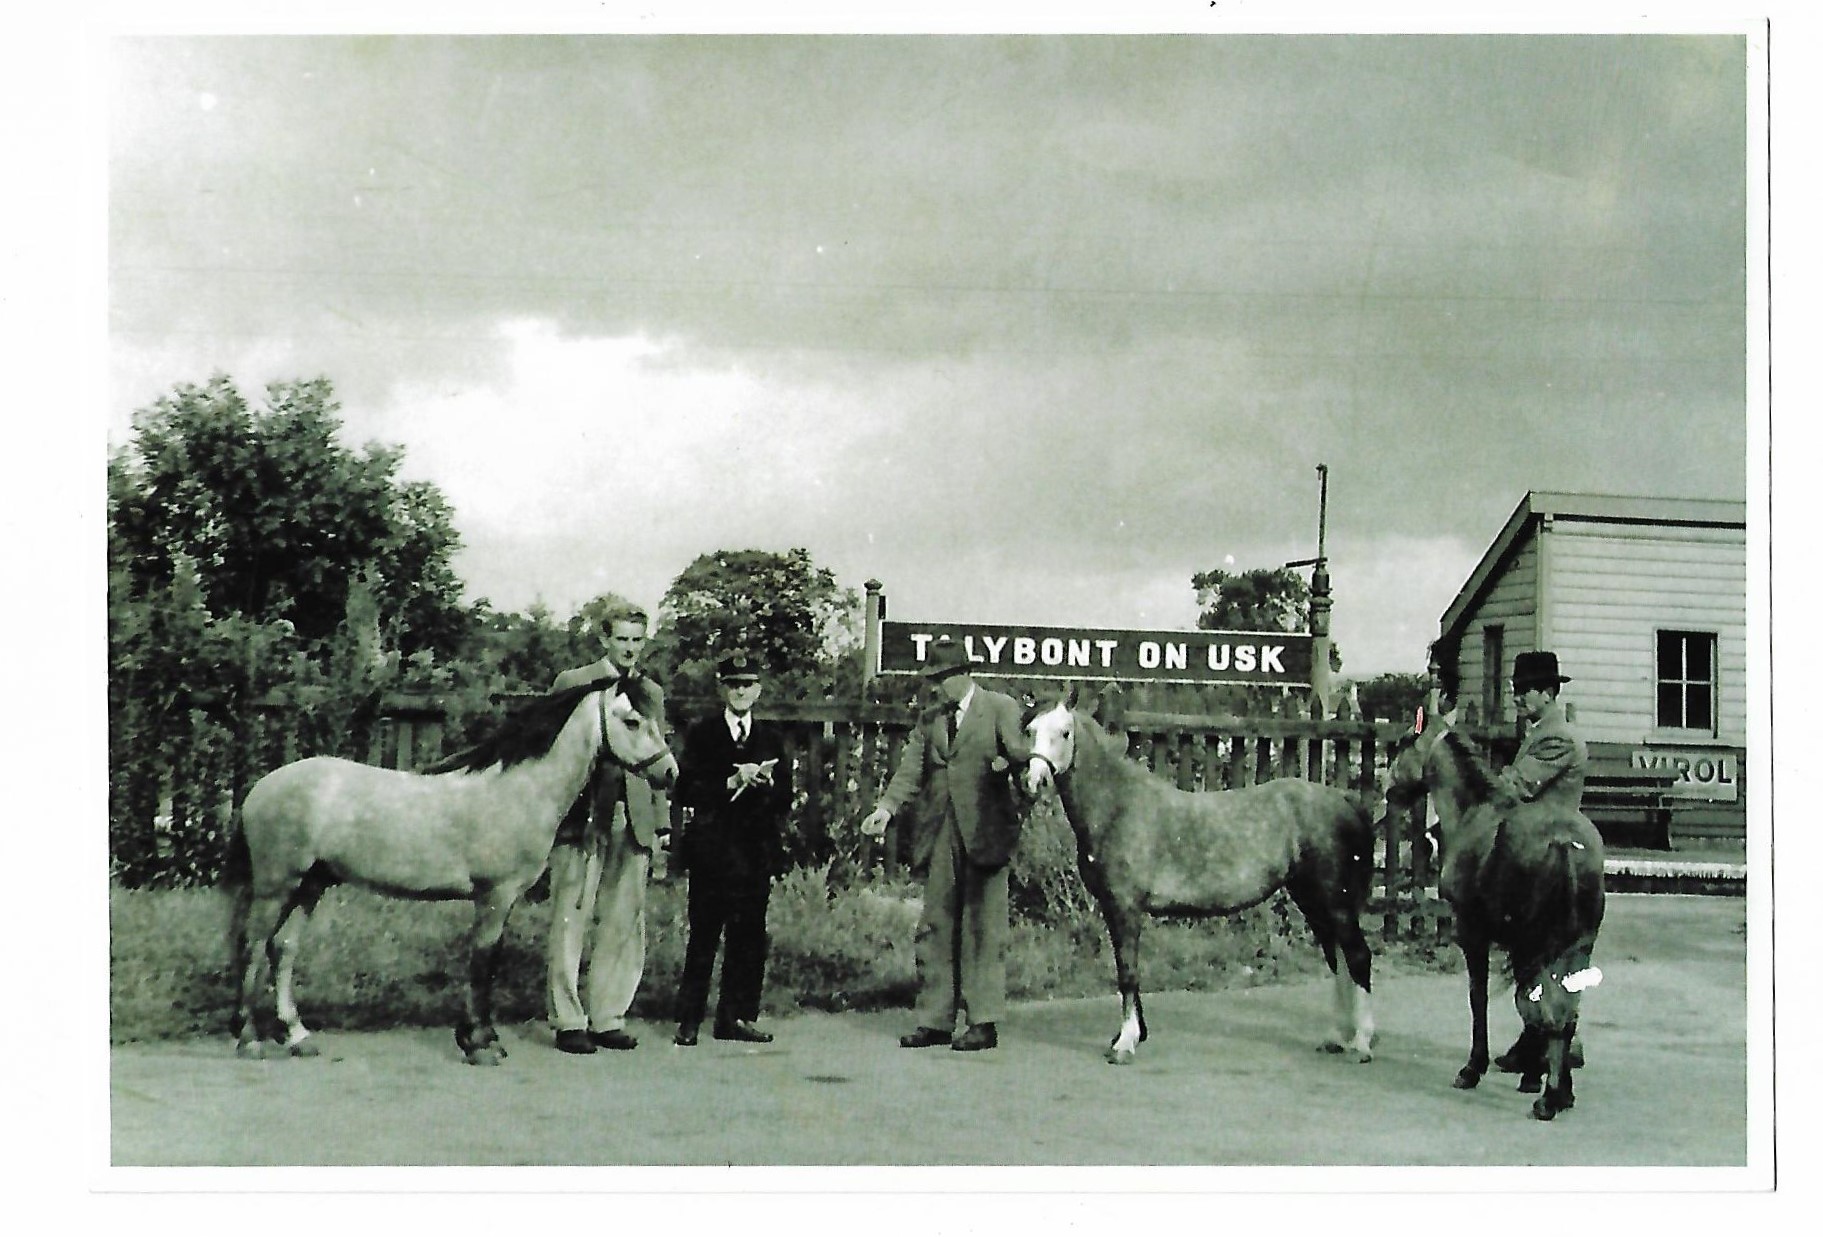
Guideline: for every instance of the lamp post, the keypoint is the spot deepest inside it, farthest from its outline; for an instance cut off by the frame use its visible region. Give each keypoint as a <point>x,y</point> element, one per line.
<point>1320,600</point>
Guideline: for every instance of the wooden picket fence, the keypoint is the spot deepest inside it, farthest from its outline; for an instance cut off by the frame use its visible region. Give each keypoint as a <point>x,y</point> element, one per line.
<point>844,753</point>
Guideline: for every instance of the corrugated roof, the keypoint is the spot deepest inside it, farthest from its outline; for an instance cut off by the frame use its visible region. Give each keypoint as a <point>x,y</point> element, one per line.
<point>1615,508</point>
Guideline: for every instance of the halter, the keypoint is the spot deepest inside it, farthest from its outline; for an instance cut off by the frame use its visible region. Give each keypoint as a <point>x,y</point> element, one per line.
<point>1055,774</point>
<point>637,767</point>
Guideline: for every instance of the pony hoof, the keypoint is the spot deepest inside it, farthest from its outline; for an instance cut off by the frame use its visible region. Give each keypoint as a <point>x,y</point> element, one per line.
<point>304,1048</point>
<point>1467,1079</point>
<point>1543,1110</point>
<point>1332,1047</point>
<point>250,1050</point>
<point>1530,1085</point>
<point>483,1056</point>
<point>1119,1056</point>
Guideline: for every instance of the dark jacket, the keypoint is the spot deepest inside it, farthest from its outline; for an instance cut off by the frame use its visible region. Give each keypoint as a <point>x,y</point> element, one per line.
<point>728,836</point>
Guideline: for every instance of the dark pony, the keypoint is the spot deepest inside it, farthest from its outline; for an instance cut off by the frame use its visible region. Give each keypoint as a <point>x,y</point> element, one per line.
<point>1522,878</point>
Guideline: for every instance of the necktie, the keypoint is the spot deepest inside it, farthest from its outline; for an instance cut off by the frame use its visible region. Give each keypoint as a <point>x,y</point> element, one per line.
<point>740,732</point>
<point>953,720</point>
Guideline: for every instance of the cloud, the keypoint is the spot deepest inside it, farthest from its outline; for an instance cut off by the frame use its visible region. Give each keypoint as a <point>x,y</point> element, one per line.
<point>1024,327</point>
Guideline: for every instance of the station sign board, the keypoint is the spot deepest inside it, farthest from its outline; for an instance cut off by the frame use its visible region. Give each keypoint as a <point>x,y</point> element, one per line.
<point>1259,658</point>
<point>1701,773</point>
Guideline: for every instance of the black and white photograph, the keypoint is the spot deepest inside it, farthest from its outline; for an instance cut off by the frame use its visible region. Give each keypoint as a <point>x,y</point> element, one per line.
<point>1162,599</point>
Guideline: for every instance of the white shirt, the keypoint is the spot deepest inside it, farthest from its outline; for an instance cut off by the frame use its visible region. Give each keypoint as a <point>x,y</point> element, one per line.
<point>740,725</point>
<point>962,706</point>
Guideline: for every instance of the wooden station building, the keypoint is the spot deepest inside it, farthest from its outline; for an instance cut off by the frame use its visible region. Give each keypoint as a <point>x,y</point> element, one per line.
<point>1644,601</point>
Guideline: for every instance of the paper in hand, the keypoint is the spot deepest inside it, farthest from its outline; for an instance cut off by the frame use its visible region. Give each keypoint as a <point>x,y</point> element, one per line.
<point>746,775</point>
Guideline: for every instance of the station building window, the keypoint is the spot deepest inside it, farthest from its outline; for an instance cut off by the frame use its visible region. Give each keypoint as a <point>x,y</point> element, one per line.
<point>1686,680</point>
<point>1493,673</point>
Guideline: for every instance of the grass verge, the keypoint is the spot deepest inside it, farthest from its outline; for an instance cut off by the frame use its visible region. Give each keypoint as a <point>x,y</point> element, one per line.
<point>370,962</point>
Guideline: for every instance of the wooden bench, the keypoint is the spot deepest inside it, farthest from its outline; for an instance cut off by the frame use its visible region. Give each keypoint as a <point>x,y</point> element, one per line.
<point>1631,807</point>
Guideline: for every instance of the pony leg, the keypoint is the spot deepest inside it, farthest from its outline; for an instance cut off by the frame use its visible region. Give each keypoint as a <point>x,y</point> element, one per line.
<point>1124,933</point>
<point>1338,931</point>
<point>1354,983</point>
<point>1559,1093</point>
<point>288,940</point>
<point>1475,957</point>
<point>261,922</point>
<point>475,1034</point>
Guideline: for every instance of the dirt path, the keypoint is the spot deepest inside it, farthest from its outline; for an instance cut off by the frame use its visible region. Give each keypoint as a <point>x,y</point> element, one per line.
<point>1227,1079</point>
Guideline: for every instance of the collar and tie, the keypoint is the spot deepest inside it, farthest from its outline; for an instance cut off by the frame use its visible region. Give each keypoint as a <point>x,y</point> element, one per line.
<point>740,726</point>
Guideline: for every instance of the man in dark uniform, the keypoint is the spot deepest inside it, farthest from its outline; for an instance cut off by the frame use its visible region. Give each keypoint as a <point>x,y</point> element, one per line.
<point>955,763</point>
<point>736,777</point>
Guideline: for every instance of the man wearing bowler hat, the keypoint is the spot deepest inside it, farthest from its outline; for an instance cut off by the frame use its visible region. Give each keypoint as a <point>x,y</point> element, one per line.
<point>736,777</point>
<point>1549,769</point>
<point>1552,760</point>
<point>956,762</point>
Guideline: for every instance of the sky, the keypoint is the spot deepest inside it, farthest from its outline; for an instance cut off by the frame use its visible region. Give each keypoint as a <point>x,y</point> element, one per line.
<point>1030,328</point>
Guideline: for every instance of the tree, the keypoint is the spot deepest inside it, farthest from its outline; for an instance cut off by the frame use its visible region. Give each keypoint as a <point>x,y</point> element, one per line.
<point>1394,697</point>
<point>793,616</point>
<point>1260,599</point>
<point>280,519</point>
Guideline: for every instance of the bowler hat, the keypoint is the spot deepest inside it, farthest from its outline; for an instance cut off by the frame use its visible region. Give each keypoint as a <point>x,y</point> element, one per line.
<point>1536,670</point>
<point>946,658</point>
<point>735,666</point>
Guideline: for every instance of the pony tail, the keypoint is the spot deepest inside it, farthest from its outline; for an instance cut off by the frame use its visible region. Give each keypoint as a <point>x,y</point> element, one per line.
<point>1552,922</point>
<point>236,880</point>
<point>237,864</point>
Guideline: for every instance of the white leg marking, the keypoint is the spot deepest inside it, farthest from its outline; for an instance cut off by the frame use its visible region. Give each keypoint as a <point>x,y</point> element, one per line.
<point>295,1030</point>
<point>1363,1043</point>
<point>1121,1052</point>
<point>1342,995</point>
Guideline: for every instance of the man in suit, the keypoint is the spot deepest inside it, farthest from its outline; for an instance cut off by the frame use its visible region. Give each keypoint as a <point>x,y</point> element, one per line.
<point>598,868</point>
<point>1549,769</point>
<point>736,777</point>
<point>1552,760</point>
<point>955,764</point>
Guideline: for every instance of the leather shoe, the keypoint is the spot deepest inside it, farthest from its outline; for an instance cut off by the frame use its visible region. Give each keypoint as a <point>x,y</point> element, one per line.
<point>617,1040</point>
<point>924,1037</point>
<point>577,1042</point>
<point>686,1035</point>
<point>743,1031</point>
<point>980,1035</point>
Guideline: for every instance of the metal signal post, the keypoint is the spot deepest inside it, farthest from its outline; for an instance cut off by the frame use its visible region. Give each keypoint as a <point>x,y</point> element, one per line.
<point>1320,601</point>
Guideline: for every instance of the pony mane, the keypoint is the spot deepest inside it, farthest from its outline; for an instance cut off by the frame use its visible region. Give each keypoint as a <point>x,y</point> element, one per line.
<point>528,732</point>
<point>1108,744</point>
<point>1479,778</point>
